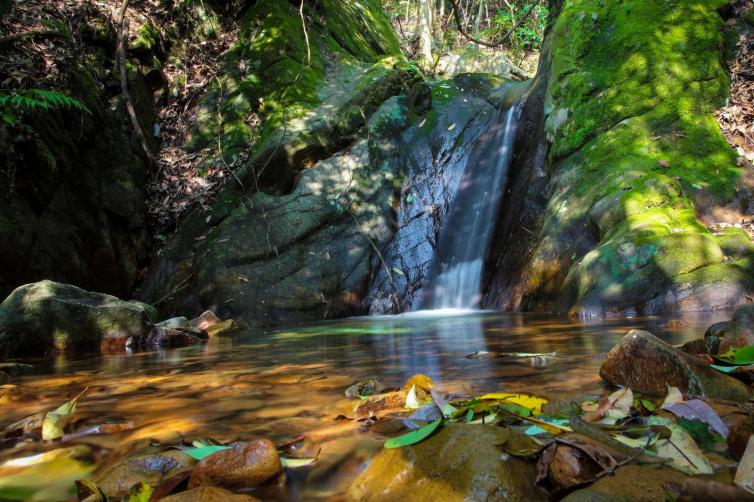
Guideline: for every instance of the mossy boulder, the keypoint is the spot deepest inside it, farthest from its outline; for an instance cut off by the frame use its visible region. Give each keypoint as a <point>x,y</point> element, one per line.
<point>635,156</point>
<point>458,462</point>
<point>49,317</point>
<point>279,74</point>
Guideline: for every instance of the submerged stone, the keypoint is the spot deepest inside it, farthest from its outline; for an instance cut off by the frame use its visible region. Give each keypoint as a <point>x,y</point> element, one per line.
<point>459,462</point>
<point>645,363</point>
<point>148,468</point>
<point>209,494</point>
<point>630,482</point>
<point>739,332</point>
<point>47,316</point>
<point>243,466</point>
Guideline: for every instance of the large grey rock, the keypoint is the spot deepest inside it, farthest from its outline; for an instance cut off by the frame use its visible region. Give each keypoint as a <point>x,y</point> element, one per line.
<point>47,316</point>
<point>496,63</point>
<point>645,363</point>
<point>459,462</point>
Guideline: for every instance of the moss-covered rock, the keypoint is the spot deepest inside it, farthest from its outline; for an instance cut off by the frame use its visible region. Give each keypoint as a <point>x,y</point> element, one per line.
<point>459,462</point>
<point>279,72</point>
<point>634,145</point>
<point>48,317</point>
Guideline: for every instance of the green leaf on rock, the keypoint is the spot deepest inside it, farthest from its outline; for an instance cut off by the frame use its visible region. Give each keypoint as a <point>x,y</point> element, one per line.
<point>724,369</point>
<point>413,437</point>
<point>204,451</point>
<point>740,356</point>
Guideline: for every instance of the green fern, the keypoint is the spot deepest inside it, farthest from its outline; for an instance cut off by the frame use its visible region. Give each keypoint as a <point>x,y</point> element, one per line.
<point>33,100</point>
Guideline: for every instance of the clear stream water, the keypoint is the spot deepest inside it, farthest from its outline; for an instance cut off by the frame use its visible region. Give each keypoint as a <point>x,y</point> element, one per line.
<point>284,383</point>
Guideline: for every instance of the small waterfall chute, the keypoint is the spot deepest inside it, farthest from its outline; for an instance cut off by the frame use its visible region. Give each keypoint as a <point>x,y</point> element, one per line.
<point>456,272</point>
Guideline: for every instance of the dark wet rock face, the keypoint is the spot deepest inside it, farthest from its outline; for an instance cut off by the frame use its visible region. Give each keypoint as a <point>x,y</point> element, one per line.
<point>294,240</point>
<point>72,203</point>
<point>458,462</point>
<point>647,364</point>
<point>433,153</point>
<point>47,317</point>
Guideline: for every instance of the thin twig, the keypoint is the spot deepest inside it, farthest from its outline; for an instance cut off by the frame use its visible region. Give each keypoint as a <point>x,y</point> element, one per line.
<point>120,54</point>
<point>306,35</point>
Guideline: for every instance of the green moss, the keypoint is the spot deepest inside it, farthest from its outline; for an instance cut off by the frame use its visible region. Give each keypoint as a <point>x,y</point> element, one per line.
<point>146,38</point>
<point>749,16</point>
<point>615,60</point>
<point>361,28</point>
<point>630,101</point>
<point>275,72</point>
<point>735,243</point>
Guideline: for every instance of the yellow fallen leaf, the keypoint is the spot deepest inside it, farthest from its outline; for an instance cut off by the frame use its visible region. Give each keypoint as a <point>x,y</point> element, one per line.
<point>674,397</point>
<point>56,420</point>
<point>419,380</point>
<point>528,401</point>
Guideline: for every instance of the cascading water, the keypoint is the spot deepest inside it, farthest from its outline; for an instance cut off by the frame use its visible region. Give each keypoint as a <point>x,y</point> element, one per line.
<point>456,272</point>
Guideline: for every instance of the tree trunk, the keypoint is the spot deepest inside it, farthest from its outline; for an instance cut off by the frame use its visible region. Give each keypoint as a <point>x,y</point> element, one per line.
<point>478,20</point>
<point>425,30</point>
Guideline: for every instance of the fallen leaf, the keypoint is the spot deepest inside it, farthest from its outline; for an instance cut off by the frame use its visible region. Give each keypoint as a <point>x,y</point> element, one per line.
<point>56,420</point>
<point>681,450</point>
<point>616,406</point>
<point>533,403</point>
<point>739,356</point>
<point>295,462</point>
<point>204,451</point>
<point>413,437</point>
<point>674,396</point>
<point>412,402</point>
<point>420,381</point>
<point>745,472</point>
<point>696,409</point>
<point>59,477</point>
<point>140,492</point>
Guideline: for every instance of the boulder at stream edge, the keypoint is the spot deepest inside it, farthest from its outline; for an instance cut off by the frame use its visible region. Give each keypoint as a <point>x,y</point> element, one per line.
<point>47,317</point>
<point>646,364</point>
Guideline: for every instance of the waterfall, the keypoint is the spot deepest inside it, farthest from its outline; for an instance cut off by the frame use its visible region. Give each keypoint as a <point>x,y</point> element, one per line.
<point>456,272</point>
